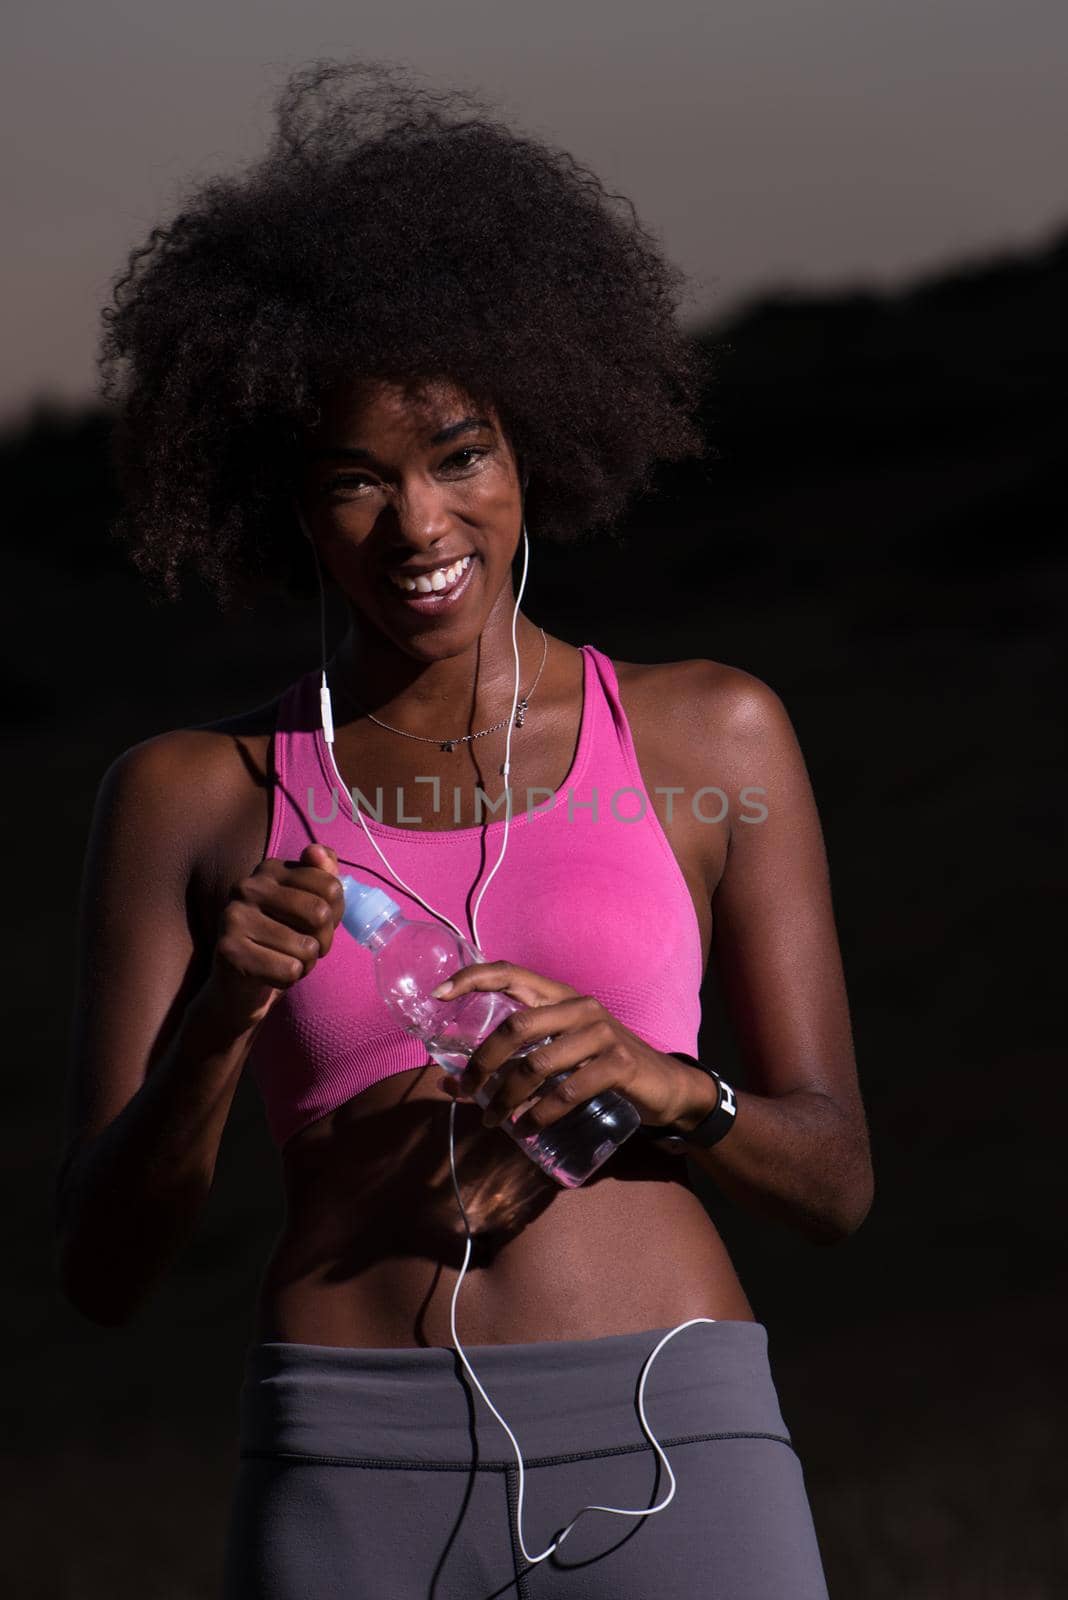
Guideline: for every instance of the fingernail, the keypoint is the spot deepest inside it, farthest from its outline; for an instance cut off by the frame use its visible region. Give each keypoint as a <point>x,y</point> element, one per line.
<point>442,989</point>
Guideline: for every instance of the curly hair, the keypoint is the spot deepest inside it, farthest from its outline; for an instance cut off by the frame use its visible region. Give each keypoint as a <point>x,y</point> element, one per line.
<point>389,231</point>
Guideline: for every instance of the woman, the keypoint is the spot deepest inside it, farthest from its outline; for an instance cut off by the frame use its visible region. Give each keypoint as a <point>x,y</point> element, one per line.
<point>404,336</point>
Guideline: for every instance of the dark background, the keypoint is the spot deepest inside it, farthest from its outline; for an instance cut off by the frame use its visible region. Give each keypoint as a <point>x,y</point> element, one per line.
<point>877,532</point>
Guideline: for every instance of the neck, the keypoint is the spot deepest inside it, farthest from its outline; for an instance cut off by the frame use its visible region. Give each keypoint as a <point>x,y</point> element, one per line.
<point>370,670</point>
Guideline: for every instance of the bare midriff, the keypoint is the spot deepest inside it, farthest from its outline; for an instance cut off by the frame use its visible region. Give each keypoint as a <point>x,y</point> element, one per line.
<point>373,1243</point>
<point>373,1239</point>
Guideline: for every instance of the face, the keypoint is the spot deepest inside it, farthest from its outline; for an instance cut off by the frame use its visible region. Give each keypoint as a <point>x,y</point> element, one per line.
<point>412,496</point>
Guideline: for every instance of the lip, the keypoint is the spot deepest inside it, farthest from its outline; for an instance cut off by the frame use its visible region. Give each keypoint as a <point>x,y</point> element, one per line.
<point>432,605</point>
<point>416,570</point>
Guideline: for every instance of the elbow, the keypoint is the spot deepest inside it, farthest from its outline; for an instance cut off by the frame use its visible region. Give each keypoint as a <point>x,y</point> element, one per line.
<point>862,1202</point>
<point>842,1193</point>
<point>101,1316</point>
<point>76,1282</point>
<point>836,1228</point>
<point>107,1264</point>
<point>81,1276</point>
<point>842,1214</point>
<point>85,1290</point>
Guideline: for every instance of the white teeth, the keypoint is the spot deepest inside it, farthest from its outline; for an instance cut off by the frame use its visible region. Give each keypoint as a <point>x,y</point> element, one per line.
<point>432,582</point>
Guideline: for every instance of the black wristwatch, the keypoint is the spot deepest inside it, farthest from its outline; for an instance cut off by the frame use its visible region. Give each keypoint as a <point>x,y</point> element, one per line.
<point>712,1129</point>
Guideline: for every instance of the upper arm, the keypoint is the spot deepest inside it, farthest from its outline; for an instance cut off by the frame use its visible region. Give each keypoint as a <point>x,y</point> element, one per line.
<point>775,943</point>
<point>137,956</point>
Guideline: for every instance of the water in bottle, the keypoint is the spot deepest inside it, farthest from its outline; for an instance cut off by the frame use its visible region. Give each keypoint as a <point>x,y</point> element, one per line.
<point>411,957</point>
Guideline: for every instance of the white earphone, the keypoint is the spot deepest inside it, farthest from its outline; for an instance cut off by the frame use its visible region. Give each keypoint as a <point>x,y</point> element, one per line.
<point>328,734</point>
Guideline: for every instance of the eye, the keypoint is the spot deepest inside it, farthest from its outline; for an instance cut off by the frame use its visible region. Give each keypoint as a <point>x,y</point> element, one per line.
<point>348,481</point>
<point>354,482</point>
<point>468,450</point>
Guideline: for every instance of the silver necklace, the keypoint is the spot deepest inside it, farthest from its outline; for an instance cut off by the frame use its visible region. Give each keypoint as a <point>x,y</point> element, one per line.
<point>465,738</point>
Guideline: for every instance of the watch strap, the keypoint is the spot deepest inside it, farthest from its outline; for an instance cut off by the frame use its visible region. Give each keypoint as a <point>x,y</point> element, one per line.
<point>712,1128</point>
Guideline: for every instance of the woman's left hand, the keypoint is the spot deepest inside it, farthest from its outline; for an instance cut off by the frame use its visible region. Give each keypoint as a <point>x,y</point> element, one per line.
<point>587,1041</point>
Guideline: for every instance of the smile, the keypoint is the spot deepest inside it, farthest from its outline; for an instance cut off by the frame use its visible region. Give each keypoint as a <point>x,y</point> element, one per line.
<point>430,590</point>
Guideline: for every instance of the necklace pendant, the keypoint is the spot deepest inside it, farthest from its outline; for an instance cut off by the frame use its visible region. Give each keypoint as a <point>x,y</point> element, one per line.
<point>448,744</point>
<point>520,713</point>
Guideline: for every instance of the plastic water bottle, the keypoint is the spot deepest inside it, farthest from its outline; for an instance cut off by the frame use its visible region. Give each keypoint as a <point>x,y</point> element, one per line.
<point>412,956</point>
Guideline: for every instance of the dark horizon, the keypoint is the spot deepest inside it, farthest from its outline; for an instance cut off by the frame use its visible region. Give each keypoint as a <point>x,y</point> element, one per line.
<point>765,146</point>
<point>876,532</point>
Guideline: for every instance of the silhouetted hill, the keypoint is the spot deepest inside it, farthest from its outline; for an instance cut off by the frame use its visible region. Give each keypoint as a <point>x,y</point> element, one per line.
<point>962,366</point>
<point>877,531</point>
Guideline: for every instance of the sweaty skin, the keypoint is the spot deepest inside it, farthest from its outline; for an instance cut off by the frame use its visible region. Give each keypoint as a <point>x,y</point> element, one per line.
<point>563,1266</point>
<point>373,1239</point>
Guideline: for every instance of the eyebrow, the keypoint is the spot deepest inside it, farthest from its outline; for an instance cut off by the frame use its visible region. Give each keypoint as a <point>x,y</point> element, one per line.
<point>349,452</point>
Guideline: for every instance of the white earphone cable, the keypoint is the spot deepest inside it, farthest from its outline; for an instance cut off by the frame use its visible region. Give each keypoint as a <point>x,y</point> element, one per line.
<point>328,734</point>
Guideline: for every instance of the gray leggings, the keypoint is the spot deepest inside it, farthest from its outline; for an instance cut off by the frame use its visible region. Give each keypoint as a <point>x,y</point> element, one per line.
<point>383,1475</point>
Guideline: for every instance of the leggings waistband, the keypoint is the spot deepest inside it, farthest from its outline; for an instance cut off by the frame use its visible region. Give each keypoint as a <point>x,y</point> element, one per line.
<point>560,1397</point>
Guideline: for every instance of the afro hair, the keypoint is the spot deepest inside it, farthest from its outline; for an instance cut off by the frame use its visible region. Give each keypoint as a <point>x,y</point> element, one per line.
<point>390,230</point>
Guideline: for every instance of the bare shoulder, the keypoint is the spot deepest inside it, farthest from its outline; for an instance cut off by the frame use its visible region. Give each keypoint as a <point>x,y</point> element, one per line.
<point>701,697</point>
<point>200,794</point>
<point>212,762</point>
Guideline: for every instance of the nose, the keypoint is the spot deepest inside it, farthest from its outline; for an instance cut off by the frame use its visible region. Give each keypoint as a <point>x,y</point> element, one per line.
<point>422,514</point>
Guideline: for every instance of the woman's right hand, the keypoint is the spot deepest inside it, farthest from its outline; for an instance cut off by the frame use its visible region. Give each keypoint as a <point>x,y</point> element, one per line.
<point>276,925</point>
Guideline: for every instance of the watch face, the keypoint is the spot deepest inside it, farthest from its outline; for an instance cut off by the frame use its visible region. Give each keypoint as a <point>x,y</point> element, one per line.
<point>672,1142</point>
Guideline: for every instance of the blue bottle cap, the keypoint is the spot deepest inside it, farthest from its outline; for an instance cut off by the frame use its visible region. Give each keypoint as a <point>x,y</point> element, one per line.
<point>365,908</point>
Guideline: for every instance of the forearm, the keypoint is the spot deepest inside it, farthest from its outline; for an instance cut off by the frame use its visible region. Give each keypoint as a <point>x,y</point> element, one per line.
<point>131,1197</point>
<point>794,1158</point>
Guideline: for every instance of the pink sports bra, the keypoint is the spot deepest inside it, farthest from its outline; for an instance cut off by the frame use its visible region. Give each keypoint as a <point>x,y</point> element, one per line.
<point>589,892</point>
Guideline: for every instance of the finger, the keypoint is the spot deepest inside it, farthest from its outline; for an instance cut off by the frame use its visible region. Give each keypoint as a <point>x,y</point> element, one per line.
<point>312,879</point>
<point>257,947</point>
<point>559,1099</point>
<point>530,988</point>
<point>320,855</point>
<point>301,925</point>
<point>263,928</point>
<point>298,908</point>
<point>517,1081</point>
<point>524,1028</point>
<point>315,880</point>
